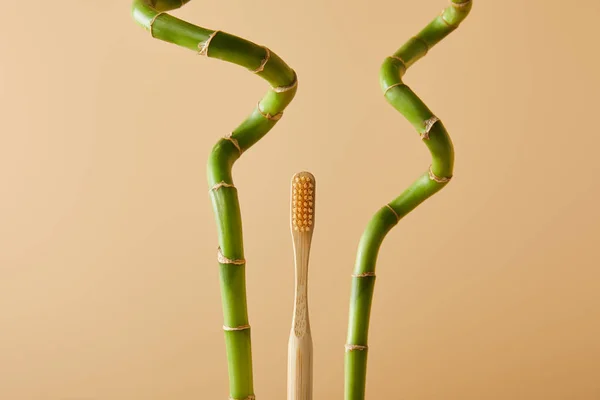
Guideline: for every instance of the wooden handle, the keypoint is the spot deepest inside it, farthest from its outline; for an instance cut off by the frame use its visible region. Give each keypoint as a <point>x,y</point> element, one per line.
<point>300,343</point>
<point>300,367</point>
<point>300,348</point>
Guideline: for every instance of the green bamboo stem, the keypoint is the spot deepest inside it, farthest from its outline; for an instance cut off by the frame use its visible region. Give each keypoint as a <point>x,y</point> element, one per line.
<point>151,15</point>
<point>436,138</point>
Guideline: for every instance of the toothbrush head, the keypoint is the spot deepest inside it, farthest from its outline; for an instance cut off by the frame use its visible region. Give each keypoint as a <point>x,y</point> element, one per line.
<point>303,202</point>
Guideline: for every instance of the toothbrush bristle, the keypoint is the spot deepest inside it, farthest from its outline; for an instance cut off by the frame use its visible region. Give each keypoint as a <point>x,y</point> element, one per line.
<point>303,191</point>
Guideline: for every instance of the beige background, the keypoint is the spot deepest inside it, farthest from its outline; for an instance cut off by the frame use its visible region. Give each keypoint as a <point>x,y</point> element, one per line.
<point>108,281</point>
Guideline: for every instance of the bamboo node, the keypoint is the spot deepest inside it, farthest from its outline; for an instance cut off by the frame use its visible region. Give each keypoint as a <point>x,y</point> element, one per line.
<point>283,89</point>
<point>269,116</point>
<point>428,125</point>
<point>438,179</point>
<point>152,21</point>
<point>203,46</point>
<point>222,185</point>
<point>234,141</point>
<point>264,62</point>
<point>224,260</point>
<point>460,5</point>
<point>444,20</point>
<point>417,38</point>
<point>394,211</point>
<point>356,347</point>
<point>364,275</point>
<point>448,23</point>
<point>235,328</point>
<point>251,397</point>
<point>399,59</point>
<point>392,86</point>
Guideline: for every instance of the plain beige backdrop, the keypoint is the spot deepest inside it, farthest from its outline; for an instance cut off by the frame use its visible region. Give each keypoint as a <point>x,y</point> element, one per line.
<point>108,278</point>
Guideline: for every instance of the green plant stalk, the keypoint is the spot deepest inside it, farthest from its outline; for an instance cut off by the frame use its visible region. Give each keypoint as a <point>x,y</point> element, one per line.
<point>436,138</point>
<point>215,44</point>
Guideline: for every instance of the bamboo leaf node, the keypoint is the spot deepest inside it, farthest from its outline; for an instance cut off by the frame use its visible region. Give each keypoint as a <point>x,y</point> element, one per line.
<point>269,116</point>
<point>286,88</point>
<point>398,84</point>
<point>224,260</point>
<point>356,347</point>
<point>234,141</point>
<point>203,46</point>
<point>152,23</point>
<point>235,328</point>
<point>424,42</point>
<point>438,179</point>
<point>264,62</point>
<point>364,275</point>
<point>397,58</point>
<point>222,185</point>
<point>428,125</point>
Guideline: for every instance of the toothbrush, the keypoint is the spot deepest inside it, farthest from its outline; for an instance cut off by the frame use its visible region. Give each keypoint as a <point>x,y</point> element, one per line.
<point>300,349</point>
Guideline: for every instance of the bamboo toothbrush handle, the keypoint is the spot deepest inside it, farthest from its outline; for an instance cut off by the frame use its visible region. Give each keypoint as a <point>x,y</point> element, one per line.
<point>300,365</point>
<point>300,347</point>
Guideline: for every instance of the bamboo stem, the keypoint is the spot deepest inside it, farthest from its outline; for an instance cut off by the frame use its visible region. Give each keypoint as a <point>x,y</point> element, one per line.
<point>151,14</point>
<point>436,138</point>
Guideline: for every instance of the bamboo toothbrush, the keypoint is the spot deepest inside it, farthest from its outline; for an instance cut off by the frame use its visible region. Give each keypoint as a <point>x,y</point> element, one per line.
<point>300,344</point>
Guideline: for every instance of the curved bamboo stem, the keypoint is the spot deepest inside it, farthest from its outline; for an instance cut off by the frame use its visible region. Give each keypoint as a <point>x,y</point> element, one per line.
<point>436,138</point>
<point>151,14</point>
